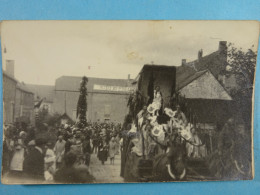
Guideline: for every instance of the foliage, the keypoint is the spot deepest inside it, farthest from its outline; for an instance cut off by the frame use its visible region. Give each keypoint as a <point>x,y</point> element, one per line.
<point>42,114</point>
<point>46,119</point>
<point>82,103</point>
<point>135,103</point>
<point>52,119</point>
<point>242,64</point>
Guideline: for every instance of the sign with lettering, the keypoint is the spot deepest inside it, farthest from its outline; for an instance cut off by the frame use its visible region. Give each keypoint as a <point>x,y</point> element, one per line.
<point>112,88</point>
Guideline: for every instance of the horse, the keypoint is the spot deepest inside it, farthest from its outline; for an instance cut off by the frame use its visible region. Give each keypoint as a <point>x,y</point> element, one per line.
<point>171,166</point>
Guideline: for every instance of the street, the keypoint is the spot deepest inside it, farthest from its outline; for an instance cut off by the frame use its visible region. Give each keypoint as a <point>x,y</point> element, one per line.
<point>106,173</point>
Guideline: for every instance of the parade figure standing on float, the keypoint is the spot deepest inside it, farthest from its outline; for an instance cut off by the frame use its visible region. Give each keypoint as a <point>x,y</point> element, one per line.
<point>157,101</point>
<point>156,105</point>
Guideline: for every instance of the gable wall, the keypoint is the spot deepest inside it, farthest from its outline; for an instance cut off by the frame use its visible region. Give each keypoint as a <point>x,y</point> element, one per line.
<point>205,87</point>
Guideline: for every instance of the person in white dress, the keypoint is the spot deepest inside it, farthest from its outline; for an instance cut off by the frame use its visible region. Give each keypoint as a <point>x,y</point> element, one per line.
<point>49,163</point>
<point>157,100</point>
<point>18,156</point>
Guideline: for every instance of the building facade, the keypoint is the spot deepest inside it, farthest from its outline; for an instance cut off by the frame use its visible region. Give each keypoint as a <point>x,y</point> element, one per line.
<point>18,102</point>
<point>9,97</point>
<point>106,100</point>
<point>24,105</point>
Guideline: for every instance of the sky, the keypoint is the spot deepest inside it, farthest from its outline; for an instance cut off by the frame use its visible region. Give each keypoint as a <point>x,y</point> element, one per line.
<point>46,50</point>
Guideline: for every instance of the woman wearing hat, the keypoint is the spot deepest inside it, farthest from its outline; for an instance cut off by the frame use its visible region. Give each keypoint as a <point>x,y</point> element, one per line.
<point>102,150</point>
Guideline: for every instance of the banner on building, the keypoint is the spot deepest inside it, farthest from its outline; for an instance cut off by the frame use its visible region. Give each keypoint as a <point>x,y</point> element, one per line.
<point>112,88</point>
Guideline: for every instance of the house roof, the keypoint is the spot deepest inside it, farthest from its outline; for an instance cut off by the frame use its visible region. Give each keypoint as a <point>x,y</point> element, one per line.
<point>42,91</point>
<point>199,74</point>
<point>157,67</point>
<point>190,78</point>
<point>19,85</point>
<point>23,87</point>
<point>182,74</point>
<point>213,62</point>
<point>9,76</point>
<point>71,83</point>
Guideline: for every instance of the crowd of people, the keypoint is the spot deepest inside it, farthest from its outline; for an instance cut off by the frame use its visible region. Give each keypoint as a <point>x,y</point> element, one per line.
<point>59,154</point>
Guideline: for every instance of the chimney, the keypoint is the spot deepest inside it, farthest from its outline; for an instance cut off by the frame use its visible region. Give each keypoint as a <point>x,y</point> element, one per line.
<point>128,77</point>
<point>200,54</point>
<point>183,62</point>
<point>10,67</point>
<point>222,46</point>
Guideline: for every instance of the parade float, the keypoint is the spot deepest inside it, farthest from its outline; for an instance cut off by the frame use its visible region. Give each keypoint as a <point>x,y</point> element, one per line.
<point>160,143</point>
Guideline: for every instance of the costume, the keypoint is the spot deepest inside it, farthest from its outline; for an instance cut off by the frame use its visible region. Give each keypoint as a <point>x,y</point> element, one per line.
<point>157,103</point>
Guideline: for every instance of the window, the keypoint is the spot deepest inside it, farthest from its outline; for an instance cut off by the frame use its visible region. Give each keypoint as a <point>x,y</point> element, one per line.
<point>74,115</point>
<point>107,111</point>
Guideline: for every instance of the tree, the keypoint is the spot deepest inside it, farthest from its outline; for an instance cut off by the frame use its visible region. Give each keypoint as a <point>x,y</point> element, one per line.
<point>242,64</point>
<point>82,103</point>
<point>52,119</point>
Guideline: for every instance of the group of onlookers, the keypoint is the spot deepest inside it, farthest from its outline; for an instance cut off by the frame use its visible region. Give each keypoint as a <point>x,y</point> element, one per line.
<point>30,155</point>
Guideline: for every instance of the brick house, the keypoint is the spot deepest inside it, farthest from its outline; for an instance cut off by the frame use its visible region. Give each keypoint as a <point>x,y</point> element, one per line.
<point>18,104</point>
<point>216,63</point>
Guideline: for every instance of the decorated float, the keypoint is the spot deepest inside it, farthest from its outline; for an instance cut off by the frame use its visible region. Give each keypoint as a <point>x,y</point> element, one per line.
<point>160,140</point>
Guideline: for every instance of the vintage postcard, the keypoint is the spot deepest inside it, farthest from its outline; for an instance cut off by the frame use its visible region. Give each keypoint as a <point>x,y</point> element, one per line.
<point>127,101</point>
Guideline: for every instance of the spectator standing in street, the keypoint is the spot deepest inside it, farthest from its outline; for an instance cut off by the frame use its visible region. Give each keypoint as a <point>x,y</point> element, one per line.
<point>102,151</point>
<point>68,143</point>
<point>34,161</point>
<point>59,150</point>
<point>95,141</point>
<point>112,150</point>
<point>70,173</point>
<point>7,149</point>
<point>87,150</point>
<point>50,163</point>
<point>16,165</point>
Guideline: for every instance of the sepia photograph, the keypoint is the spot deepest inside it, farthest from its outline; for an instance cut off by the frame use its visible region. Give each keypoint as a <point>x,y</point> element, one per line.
<point>127,101</point>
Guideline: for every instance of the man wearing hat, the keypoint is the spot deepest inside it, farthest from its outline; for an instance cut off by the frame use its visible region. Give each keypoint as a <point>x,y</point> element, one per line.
<point>34,162</point>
